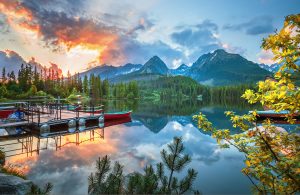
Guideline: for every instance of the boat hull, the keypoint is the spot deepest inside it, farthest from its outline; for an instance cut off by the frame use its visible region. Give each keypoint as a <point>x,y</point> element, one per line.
<point>277,118</point>
<point>5,113</point>
<point>115,116</point>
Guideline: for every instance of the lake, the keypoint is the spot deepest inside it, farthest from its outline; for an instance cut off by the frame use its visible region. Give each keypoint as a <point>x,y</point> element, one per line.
<point>137,144</point>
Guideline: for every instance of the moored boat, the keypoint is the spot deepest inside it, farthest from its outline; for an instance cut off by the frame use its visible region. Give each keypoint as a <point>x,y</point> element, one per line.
<point>4,113</point>
<point>116,115</point>
<point>6,109</point>
<point>277,117</point>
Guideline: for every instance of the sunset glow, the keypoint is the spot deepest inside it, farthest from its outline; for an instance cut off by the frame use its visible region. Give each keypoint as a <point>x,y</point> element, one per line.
<point>80,35</point>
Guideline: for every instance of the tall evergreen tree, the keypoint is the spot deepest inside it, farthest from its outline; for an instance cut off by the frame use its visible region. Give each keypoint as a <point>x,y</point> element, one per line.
<point>3,75</point>
<point>85,85</point>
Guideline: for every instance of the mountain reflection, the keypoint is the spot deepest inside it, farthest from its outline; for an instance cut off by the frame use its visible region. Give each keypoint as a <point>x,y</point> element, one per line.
<point>135,145</point>
<point>156,122</point>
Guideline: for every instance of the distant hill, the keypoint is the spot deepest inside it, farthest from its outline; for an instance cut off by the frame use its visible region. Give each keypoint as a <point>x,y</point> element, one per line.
<point>271,68</point>
<point>12,61</point>
<point>108,71</point>
<point>181,70</point>
<point>222,68</point>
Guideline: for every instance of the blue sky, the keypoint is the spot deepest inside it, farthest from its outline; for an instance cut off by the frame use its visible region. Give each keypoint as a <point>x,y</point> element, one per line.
<point>79,34</point>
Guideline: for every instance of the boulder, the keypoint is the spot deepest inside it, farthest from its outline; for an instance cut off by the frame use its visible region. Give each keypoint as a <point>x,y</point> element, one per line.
<point>10,184</point>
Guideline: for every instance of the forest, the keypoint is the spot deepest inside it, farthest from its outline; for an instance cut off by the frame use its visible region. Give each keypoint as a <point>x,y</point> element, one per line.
<point>30,82</point>
<point>180,88</point>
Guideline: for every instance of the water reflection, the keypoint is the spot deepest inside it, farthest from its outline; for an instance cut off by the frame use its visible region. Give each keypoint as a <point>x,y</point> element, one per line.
<point>136,144</point>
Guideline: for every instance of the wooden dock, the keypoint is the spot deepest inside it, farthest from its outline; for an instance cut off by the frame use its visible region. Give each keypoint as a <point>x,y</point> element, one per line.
<point>58,120</point>
<point>15,124</point>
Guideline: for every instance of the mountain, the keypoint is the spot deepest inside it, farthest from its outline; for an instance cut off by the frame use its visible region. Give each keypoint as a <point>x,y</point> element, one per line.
<point>12,61</point>
<point>108,71</point>
<point>215,68</point>
<point>154,66</point>
<point>181,70</point>
<point>271,68</point>
<point>222,68</point>
<point>151,70</point>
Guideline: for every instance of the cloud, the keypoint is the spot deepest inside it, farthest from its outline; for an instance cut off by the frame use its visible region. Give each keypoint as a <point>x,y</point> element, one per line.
<point>143,24</point>
<point>266,57</point>
<point>176,62</point>
<point>61,30</point>
<point>232,49</point>
<point>4,28</point>
<point>255,26</point>
<point>197,39</point>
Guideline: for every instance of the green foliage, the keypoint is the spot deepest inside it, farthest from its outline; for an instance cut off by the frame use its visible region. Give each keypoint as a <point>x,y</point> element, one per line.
<point>125,90</point>
<point>271,155</point>
<point>36,190</point>
<point>32,90</point>
<point>104,181</point>
<point>112,181</point>
<point>41,93</point>
<point>85,85</point>
<point>3,91</point>
<point>173,87</point>
<point>182,88</point>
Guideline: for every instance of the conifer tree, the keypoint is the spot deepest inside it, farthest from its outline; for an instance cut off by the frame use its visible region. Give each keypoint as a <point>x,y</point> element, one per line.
<point>107,180</point>
<point>85,85</point>
<point>3,75</point>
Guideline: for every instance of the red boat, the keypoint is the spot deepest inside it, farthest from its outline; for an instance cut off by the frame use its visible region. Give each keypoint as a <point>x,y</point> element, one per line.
<point>117,121</point>
<point>116,115</point>
<point>5,113</point>
<point>8,108</point>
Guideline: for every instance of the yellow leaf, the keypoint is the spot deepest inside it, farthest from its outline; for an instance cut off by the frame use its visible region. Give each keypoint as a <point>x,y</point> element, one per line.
<point>247,163</point>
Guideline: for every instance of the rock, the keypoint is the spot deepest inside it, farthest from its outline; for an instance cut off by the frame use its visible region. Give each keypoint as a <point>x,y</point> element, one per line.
<point>14,185</point>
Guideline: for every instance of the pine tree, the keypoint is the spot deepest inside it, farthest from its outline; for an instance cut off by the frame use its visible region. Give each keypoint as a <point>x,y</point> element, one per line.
<point>36,77</point>
<point>105,88</point>
<point>85,85</point>
<point>3,75</point>
<point>12,76</point>
<point>107,180</point>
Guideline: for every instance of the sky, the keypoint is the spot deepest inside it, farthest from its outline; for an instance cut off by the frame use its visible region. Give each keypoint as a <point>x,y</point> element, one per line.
<point>76,35</point>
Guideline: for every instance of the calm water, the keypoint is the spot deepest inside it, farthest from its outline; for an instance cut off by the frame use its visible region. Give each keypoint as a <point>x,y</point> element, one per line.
<point>137,144</point>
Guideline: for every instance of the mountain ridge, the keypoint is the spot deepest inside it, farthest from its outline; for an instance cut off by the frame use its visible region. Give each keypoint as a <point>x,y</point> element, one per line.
<point>215,68</point>
<point>222,68</point>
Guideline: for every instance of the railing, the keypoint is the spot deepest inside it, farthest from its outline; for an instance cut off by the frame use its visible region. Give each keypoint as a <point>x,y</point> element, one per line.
<point>37,110</point>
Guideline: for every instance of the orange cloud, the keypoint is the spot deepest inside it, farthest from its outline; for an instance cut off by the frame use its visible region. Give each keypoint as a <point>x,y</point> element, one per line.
<point>60,30</point>
<point>15,10</point>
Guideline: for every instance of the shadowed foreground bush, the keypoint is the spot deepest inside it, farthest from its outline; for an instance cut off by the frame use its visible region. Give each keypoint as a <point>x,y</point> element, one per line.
<point>111,180</point>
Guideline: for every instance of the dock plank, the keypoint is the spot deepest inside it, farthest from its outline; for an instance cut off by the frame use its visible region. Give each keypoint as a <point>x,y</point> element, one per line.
<point>14,124</point>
